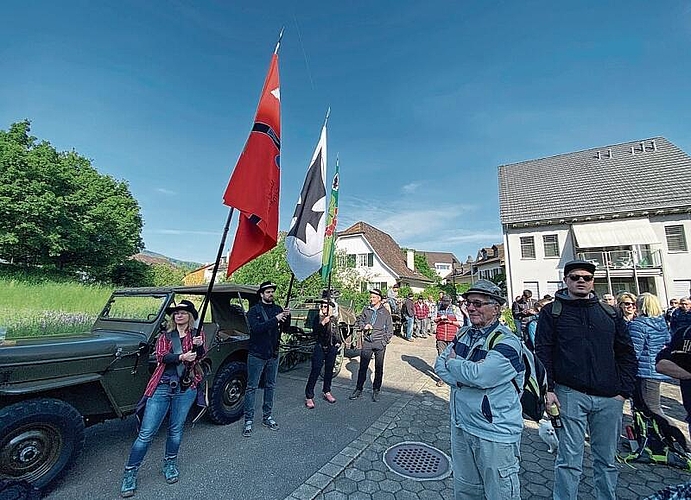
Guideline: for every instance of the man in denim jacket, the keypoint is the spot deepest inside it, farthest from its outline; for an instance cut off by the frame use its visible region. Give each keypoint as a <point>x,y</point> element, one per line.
<point>486,416</point>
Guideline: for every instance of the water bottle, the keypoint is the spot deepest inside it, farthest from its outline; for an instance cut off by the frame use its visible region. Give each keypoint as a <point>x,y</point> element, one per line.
<point>554,416</point>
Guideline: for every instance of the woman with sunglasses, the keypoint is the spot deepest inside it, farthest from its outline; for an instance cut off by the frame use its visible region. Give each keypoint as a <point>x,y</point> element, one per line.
<point>325,329</point>
<point>649,334</point>
<point>627,305</point>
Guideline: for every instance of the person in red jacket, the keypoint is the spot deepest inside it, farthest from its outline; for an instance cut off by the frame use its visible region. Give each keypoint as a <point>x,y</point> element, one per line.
<point>448,320</point>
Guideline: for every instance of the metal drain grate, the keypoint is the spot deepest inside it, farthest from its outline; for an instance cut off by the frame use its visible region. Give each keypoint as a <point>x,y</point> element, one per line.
<point>417,461</point>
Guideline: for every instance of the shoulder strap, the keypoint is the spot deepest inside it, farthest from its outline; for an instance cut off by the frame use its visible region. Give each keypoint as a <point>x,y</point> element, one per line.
<point>492,340</point>
<point>556,309</point>
<point>263,311</point>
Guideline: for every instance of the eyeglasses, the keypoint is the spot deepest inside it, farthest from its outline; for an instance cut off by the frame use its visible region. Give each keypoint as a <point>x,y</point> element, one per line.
<point>585,277</point>
<point>477,304</point>
<point>627,304</point>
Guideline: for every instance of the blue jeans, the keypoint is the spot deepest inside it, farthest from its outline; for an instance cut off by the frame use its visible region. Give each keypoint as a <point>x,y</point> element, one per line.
<point>321,357</point>
<point>409,327</point>
<point>603,418</point>
<point>483,468</point>
<point>255,367</point>
<point>163,401</point>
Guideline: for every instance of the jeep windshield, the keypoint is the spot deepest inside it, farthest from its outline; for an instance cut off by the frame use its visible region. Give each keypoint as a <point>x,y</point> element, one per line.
<point>138,308</point>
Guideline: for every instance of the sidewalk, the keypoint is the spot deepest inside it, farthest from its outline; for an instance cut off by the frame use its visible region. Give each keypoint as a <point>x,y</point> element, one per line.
<point>359,473</point>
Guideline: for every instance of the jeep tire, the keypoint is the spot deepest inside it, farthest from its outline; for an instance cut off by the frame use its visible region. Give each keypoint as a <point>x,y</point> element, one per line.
<point>227,395</point>
<point>39,440</point>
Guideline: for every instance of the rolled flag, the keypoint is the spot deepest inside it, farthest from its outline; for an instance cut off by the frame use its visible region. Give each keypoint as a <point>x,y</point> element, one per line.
<point>330,232</point>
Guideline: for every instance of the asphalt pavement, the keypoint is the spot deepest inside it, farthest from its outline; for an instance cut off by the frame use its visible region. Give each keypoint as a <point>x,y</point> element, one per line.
<point>333,452</point>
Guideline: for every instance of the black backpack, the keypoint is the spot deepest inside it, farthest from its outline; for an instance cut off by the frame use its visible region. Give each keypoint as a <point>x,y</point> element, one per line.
<point>657,442</point>
<point>534,383</point>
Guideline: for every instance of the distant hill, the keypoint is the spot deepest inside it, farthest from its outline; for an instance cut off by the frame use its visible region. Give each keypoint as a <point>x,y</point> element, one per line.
<point>148,257</point>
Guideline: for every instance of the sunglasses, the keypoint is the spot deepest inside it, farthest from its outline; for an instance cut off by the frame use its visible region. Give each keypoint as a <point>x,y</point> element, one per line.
<point>627,304</point>
<point>477,304</point>
<point>585,277</point>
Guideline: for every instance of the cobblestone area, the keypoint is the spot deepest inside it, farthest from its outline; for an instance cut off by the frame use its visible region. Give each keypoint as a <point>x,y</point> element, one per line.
<point>358,473</point>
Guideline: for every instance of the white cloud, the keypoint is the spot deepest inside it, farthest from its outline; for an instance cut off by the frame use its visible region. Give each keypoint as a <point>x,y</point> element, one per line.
<point>411,187</point>
<point>166,191</point>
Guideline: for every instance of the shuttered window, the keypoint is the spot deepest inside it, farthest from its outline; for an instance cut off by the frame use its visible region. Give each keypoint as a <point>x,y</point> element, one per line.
<point>676,239</point>
<point>551,245</point>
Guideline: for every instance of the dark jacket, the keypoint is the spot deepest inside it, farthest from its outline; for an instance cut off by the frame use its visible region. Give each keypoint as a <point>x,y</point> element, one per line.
<point>408,309</point>
<point>586,349</point>
<point>328,334</point>
<point>680,320</point>
<point>382,326</point>
<point>264,331</point>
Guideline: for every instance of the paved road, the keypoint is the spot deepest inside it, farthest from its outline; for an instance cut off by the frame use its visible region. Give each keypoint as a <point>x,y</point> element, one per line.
<point>331,453</point>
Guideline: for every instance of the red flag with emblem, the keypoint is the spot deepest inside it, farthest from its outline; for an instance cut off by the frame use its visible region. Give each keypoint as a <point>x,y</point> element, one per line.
<point>254,185</point>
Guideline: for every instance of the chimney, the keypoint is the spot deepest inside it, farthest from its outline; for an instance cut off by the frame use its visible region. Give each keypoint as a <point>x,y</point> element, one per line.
<point>633,152</point>
<point>599,157</point>
<point>609,153</point>
<point>410,259</point>
<point>642,147</point>
<point>654,145</point>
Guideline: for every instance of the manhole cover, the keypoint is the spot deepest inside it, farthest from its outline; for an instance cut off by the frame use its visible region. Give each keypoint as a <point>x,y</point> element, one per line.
<point>417,461</point>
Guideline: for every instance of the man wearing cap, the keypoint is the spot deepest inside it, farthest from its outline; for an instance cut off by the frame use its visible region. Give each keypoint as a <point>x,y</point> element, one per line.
<point>591,368</point>
<point>264,319</point>
<point>377,330</point>
<point>486,416</point>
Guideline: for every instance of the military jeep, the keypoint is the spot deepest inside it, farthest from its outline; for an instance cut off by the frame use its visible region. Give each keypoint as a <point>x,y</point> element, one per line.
<point>51,388</point>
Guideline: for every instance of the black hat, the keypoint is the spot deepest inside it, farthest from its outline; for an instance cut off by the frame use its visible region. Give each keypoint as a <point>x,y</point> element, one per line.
<point>410,295</point>
<point>485,287</point>
<point>376,291</point>
<point>329,302</point>
<point>184,305</point>
<point>265,286</point>
<point>579,264</point>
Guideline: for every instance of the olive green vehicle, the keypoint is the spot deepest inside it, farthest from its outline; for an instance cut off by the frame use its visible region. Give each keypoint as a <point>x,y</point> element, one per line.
<point>51,388</point>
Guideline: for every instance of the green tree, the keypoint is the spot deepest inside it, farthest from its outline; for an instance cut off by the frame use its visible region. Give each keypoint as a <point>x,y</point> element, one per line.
<point>422,266</point>
<point>166,275</point>
<point>58,211</point>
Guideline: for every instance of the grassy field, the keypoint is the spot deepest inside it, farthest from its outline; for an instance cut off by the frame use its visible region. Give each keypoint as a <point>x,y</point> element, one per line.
<point>29,309</point>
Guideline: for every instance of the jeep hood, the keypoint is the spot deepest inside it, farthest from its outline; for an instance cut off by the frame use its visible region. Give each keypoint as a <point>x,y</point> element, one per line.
<point>50,357</point>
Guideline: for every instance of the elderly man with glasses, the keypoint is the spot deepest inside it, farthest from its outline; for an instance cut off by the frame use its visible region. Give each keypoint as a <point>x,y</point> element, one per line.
<point>486,417</point>
<point>591,369</point>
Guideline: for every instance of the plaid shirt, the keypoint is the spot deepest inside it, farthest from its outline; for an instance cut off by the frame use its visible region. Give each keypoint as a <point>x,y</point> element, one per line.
<point>164,346</point>
<point>421,310</point>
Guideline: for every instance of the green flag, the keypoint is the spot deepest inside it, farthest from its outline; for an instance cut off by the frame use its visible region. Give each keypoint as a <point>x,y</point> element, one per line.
<point>330,233</point>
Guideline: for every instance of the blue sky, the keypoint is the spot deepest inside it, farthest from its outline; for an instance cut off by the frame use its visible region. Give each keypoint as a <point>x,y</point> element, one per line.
<point>427,99</point>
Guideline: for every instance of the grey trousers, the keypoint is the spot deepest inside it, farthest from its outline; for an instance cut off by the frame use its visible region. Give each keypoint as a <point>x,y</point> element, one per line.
<point>482,469</point>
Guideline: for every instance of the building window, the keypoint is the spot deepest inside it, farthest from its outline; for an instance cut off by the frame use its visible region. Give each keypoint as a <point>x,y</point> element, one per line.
<point>676,239</point>
<point>551,245</point>
<point>365,286</point>
<point>534,287</point>
<point>346,261</point>
<point>365,260</point>
<point>527,247</point>
<point>442,267</point>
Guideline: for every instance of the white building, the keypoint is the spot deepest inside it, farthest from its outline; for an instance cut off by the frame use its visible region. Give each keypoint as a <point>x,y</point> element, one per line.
<point>624,207</point>
<point>377,259</point>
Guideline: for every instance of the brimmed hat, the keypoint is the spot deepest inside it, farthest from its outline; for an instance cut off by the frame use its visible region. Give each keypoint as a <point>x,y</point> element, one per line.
<point>484,287</point>
<point>579,264</point>
<point>184,305</point>
<point>411,295</point>
<point>329,302</point>
<point>376,291</point>
<point>265,286</point>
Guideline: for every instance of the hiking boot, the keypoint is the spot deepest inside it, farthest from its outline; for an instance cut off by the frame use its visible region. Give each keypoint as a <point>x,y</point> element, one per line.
<point>270,423</point>
<point>356,394</point>
<point>329,397</point>
<point>247,431</point>
<point>375,396</point>
<point>440,383</point>
<point>129,483</point>
<point>170,470</point>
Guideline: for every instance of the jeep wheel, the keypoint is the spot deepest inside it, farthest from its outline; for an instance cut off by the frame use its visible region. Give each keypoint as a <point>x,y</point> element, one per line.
<point>39,440</point>
<point>337,365</point>
<point>227,398</point>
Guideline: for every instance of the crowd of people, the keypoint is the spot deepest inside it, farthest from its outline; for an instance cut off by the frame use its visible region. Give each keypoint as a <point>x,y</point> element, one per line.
<point>597,352</point>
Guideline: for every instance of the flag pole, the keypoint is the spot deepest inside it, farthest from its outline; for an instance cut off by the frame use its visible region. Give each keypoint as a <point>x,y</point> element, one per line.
<point>290,288</point>
<point>219,254</point>
<point>280,37</point>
